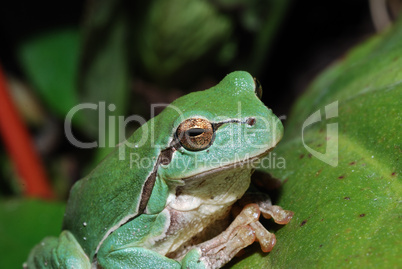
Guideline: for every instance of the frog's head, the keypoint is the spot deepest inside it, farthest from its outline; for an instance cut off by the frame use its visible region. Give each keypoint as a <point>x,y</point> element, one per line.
<point>219,127</point>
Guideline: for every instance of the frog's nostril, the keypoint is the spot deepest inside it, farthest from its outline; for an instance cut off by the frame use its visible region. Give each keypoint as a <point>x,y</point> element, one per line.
<point>251,121</point>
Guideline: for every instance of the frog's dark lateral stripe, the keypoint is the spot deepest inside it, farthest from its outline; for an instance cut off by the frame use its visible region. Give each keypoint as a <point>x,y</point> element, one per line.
<point>164,158</point>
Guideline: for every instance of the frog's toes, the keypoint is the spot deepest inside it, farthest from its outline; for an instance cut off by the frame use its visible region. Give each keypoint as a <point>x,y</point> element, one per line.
<point>266,239</point>
<point>279,215</point>
<point>250,215</point>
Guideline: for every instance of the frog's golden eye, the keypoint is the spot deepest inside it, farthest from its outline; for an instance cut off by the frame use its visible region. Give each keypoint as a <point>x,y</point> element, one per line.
<point>195,134</point>
<point>257,88</point>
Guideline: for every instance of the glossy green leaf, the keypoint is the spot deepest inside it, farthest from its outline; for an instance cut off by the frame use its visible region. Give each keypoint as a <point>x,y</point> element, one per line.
<point>50,61</point>
<point>23,224</point>
<point>347,214</point>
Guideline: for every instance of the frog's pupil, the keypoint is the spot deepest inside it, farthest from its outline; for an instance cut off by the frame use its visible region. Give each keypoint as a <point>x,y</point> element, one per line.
<point>195,132</point>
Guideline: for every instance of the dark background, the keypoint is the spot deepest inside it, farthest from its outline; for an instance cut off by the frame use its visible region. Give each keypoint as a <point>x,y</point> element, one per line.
<point>313,34</point>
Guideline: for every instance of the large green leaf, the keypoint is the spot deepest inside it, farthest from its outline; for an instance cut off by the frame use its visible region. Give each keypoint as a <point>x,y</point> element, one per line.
<point>347,214</point>
<point>23,224</point>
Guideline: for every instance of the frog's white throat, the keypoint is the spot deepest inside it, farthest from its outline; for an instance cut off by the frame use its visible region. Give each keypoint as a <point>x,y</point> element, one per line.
<point>246,163</point>
<point>220,186</point>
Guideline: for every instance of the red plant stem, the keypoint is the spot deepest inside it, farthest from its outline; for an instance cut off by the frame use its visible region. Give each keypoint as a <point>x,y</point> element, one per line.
<point>20,147</point>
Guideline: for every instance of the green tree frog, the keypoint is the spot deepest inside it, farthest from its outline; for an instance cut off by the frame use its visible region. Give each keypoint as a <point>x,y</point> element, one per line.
<point>163,198</point>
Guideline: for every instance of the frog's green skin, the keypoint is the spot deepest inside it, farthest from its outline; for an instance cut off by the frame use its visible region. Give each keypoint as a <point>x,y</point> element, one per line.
<point>131,217</point>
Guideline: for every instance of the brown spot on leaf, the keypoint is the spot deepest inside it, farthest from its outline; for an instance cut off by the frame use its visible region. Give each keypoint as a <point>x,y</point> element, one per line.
<point>318,173</point>
<point>322,219</point>
<point>393,174</point>
<point>319,145</point>
<point>303,222</point>
<point>352,163</point>
<point>310,155</point>
<point>346,198</point>
<point>301,156</point>
<point>341,177</point>
<point>320,246</point>
<point>362,215</point>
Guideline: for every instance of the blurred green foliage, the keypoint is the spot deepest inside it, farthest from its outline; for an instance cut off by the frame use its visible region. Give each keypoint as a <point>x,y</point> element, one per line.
<point>50,62</point>
<point>179,35</point>
<point>23,224</point>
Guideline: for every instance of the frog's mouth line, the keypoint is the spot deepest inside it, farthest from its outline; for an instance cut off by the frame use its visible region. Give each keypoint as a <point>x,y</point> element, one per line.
<point>240,164</point>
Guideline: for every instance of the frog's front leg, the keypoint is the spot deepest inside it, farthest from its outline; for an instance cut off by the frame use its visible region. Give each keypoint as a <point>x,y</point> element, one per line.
<point>133,245</point>
<point>136,257</point>
<point>130,245</point>
<point>242,232</point>
<point>61,252</point>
